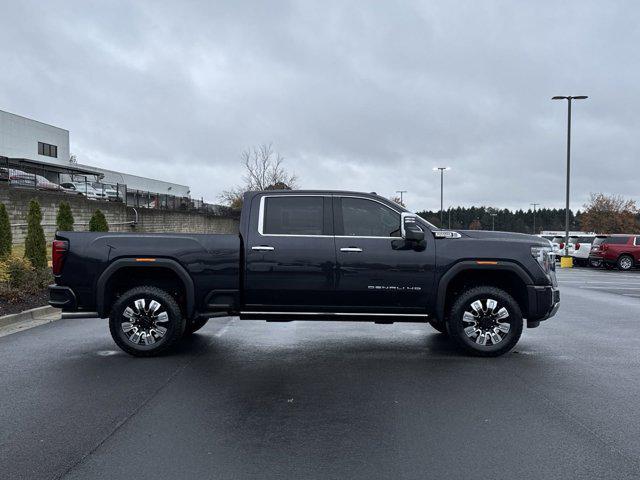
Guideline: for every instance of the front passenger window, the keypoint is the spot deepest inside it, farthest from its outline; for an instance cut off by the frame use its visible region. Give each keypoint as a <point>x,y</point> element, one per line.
<point>366,218</point>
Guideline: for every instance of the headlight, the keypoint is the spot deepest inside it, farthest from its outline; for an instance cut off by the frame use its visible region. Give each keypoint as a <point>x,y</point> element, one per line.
<point>544,257</point>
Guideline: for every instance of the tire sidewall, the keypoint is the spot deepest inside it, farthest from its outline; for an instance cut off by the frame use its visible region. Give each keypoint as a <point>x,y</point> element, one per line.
<point>175,326</point>
<point>456,325</point>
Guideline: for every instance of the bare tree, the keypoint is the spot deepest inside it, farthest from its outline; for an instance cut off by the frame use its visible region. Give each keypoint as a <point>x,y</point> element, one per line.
<point>264,170</point>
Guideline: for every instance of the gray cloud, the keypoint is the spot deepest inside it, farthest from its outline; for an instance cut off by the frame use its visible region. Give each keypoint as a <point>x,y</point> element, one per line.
<point>356,95</point>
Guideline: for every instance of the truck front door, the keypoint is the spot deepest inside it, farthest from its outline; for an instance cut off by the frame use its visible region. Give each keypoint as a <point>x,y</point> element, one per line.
<point>377,271</point>
<point>290,254</point>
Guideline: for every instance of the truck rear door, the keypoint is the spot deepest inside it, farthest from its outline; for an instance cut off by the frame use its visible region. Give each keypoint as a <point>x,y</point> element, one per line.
<point>290,253</point>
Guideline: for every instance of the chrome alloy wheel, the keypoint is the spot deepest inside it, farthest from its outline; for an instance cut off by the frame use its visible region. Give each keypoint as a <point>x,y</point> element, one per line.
<point>142,322</point>
<point>486,322</point>
<point>626,263</point>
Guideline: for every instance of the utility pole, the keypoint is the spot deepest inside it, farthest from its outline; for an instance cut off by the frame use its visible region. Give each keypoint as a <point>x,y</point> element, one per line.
<point>401,198</point>
<point>566,217</point>
<point>534,216</point>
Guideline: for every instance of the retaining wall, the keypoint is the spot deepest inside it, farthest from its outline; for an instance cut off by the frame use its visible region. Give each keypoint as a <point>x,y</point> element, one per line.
<point>119,217</point>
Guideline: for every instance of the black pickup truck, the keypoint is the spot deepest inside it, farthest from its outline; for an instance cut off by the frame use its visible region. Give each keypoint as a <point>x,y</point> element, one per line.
<point>309,255</point>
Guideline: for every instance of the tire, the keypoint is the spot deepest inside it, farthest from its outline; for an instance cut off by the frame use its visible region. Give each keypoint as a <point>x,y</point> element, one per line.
<point>494,333</point>
<point>595,263</point>
<point>439,326</point>
<point>625,262</point>
<point>195,325</point>
<point>154,332</point>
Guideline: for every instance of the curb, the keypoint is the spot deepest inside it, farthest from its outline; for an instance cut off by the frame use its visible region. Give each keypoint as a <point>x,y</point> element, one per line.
<point>33,314</point>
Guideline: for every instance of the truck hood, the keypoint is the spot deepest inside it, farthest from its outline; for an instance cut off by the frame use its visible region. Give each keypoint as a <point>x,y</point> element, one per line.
<point>504,236</point>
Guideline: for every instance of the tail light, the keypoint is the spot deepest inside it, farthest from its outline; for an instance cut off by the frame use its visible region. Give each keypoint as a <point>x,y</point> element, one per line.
<point>561,246</point>
<point>577,246</point>
<point>58,254</point>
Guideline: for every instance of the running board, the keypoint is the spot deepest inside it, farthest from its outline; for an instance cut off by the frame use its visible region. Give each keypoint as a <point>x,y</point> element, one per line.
<point>383,318</point>
<point>65,315</point>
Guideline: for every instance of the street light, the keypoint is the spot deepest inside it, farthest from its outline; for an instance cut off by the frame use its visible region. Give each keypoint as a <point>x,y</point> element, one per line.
<point>401,192</point>
<point>442,170</point>
<point>534,216</point>
<point>493,220</point>
<point>566,217</point>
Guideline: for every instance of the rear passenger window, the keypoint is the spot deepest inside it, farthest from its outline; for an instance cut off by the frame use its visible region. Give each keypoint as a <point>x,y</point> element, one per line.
<point>293,215</point>
<point>616,240</point>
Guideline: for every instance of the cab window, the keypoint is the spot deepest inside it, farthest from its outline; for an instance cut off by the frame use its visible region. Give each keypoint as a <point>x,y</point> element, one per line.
<point>366,218</point>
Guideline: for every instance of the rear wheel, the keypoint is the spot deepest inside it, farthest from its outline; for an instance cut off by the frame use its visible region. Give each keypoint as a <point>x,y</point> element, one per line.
<point>625,262</point>
<point>146,321</point>
<point>485,321</point>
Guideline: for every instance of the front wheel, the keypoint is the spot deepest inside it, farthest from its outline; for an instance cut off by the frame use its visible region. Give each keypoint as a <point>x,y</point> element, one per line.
<point>146,321</point>
<point>595,263</point>
<point>485,321</point>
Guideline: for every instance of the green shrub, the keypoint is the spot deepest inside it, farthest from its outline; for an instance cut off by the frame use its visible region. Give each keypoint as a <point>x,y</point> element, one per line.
<point>18,279</point>
<point>35,245</point>
<point>98,222</point>
<point>64,219</point>
<point>5,233</point>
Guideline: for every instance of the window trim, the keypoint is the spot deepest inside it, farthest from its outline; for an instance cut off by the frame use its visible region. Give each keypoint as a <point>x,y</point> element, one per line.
<point>261,216</point>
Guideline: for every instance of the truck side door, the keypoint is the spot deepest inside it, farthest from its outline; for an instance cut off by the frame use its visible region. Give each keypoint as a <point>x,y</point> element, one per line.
<point>290,253</point>
<point>377,270</point>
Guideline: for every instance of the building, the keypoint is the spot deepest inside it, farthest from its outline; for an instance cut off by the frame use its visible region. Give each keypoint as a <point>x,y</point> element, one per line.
<point>41,149</point>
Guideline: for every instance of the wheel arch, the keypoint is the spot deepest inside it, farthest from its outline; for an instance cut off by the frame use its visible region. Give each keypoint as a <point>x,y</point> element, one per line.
<point>103,300</point>
<point>496,273</point>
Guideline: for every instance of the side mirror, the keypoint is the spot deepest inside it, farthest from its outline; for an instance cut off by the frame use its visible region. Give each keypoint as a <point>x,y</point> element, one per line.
<point>410,228</point>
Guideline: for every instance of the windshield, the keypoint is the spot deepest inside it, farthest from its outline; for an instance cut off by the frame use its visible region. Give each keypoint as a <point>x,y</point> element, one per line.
<point>598,240</point>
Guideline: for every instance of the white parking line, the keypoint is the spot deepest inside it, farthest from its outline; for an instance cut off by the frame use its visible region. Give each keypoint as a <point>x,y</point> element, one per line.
<point>611,288</point>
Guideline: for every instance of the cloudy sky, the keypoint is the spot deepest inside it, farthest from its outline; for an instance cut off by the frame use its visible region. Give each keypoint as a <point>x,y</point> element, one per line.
<point>355,95</point>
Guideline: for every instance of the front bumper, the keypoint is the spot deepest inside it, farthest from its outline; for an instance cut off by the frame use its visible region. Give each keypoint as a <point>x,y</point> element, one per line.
<point>544,302</point>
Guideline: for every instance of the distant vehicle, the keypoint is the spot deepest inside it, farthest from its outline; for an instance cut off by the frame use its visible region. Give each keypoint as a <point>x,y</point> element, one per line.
<point>83,188</point>
<point>309,254</point>
<point>580,248</point>
<point>558,239</point>
<point>24,179</point>
<point>110,191</point>
<point>620,250</point>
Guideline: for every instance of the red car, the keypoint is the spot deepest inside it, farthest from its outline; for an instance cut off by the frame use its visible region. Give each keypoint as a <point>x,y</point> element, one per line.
<point>620,250</point>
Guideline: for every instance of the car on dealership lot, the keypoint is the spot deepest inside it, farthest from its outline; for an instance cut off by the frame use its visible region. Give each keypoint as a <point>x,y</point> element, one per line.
<point>110,192</point>
<point>25,179</point>
<point>580,248</point>
<point>83,188</point>
<point>617,250</point>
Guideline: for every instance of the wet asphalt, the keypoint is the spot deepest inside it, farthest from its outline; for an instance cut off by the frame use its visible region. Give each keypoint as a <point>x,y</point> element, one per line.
<point>250,399</point>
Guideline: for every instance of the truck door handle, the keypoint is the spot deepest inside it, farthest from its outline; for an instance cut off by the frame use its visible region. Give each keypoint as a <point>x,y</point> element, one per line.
<point>263,248</point>
<point>350,249</point>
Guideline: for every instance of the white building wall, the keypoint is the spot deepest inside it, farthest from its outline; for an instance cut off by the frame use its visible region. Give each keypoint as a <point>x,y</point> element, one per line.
<point>19,137</point>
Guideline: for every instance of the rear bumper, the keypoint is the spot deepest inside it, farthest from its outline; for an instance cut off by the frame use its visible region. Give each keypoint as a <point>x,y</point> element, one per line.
<point>62,297</point>
<point>544,302</point>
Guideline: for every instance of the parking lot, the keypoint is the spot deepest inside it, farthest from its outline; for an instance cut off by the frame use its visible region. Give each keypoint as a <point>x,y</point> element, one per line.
<point>332,400</point>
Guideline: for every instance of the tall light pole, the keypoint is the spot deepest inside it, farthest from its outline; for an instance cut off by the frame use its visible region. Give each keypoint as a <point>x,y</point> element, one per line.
<point>566,216</point>
<point>534,216</point>
<point>401,192</point>
<point>493,220</point>
<point>442,170</point>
